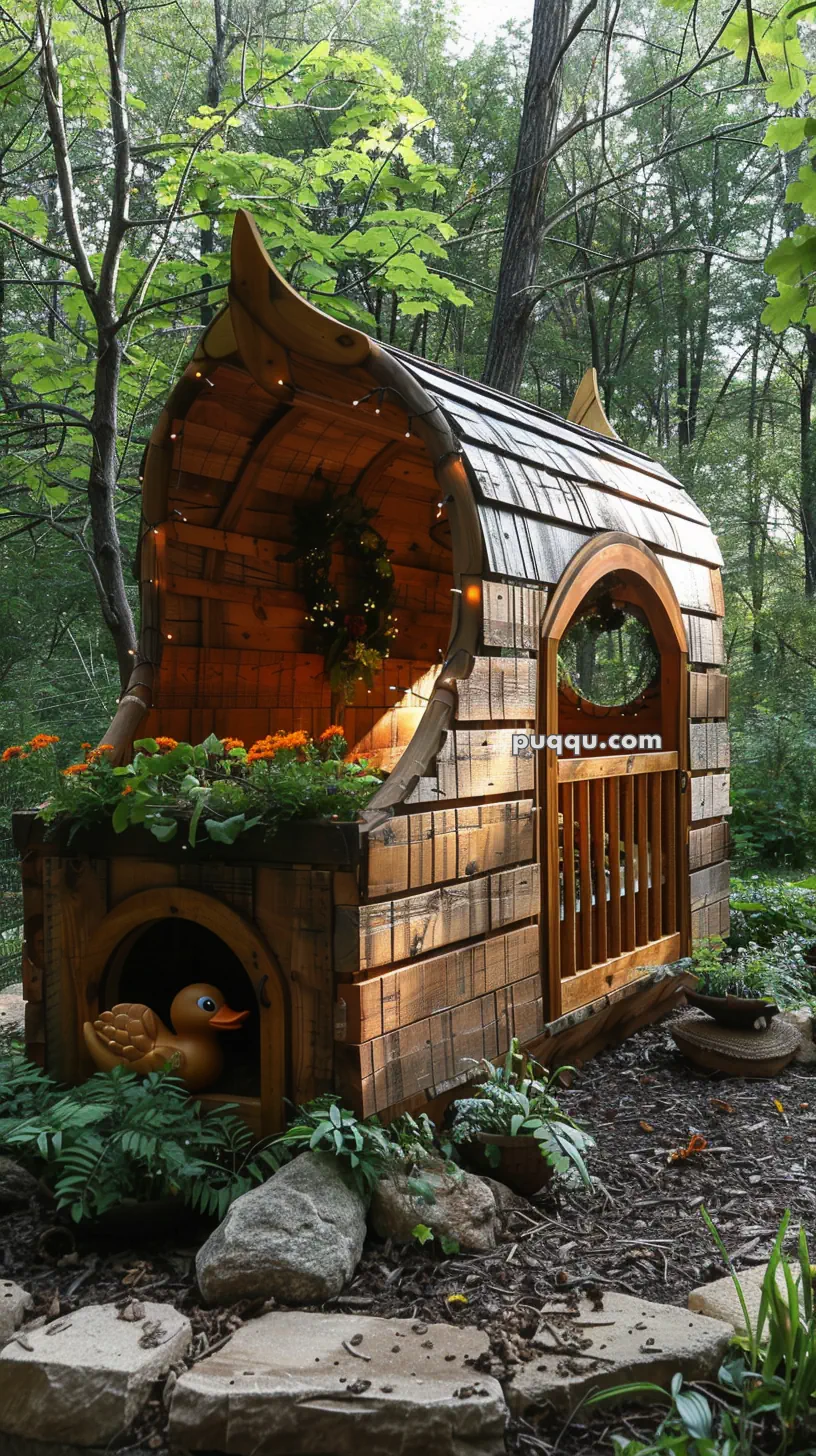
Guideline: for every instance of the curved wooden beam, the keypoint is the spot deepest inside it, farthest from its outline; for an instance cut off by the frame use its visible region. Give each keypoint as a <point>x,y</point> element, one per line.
<point>274,305</point>
<point>616,552</point>
<point>587,409</point>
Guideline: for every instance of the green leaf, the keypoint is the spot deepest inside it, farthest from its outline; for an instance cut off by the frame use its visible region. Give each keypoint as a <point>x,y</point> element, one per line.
<point>695,1413</point>
<point>421,1233</point>
<point>787,307</point>
<point>163,831</point>
<point>225,831</point>
<point>121,816</point>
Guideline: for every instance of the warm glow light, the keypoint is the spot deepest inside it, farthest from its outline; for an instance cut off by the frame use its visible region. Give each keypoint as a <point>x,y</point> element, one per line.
<point>473,594</point>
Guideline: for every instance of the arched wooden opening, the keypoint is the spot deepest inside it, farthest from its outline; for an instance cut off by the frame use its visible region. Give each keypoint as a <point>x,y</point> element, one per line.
<point>118,934</point>
<point>279,404</point>
<point>612,826</point>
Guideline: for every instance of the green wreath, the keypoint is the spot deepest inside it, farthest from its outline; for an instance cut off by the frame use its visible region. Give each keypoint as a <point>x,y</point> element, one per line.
<point>355,642</point>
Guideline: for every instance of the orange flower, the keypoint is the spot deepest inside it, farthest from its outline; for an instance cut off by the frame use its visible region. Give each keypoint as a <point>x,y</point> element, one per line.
<point>266,748</point>
<point>167,743</point>
<point>230,743</point>
<point>75,768</point>
<point>128,789</point>
<point>13,751</point>
<point>333,731</point>
<point>99,752</point>
<point>42,740</point>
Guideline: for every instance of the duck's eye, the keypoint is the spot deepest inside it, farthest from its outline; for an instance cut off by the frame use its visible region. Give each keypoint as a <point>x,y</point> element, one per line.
<point>206,1003</point>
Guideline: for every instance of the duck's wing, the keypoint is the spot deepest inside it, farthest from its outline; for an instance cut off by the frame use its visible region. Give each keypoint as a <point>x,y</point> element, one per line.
<point>131,1030</point>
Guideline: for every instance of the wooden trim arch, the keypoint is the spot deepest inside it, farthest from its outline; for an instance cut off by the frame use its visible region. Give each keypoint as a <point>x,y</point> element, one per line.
<point>143,909</point>
<point>646,584</point>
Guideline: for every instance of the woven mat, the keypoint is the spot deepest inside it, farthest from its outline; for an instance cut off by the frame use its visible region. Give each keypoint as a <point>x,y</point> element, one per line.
<point>775,1040</point>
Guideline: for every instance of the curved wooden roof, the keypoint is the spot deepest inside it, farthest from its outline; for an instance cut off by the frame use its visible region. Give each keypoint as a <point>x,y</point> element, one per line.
<point>278,399</point>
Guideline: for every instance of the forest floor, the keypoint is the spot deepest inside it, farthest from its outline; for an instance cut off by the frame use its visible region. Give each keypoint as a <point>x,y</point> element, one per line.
<point>639,1231</point>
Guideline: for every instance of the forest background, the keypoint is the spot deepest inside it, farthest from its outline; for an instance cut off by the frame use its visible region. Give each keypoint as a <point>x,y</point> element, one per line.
<point>622,183</point>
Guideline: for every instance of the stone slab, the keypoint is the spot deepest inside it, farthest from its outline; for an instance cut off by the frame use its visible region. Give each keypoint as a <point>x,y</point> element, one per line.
<point>621,1340</point>
<point>14,1302</point>
<point>293,1383</point>
<point>719,1300</point>
<point>87,1376</point>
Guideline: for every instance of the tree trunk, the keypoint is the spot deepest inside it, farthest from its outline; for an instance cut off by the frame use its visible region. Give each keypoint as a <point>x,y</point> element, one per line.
<point>216,76</point>
<point>807,438</point>
<point>699,352</point>
<point>513,312</point>
<point>108,567</point>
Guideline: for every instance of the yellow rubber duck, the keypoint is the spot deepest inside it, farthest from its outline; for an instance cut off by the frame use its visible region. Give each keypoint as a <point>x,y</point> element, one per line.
<point>132,1035</point>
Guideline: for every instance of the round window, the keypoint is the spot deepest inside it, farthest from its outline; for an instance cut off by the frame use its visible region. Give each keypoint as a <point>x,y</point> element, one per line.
<point>608,655</point>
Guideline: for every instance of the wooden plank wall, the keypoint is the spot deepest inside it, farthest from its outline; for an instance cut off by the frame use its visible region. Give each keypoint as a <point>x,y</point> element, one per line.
<point>66,899</point>
<point>438,959</point>
<point>709,784</point>
<point>439,963</point>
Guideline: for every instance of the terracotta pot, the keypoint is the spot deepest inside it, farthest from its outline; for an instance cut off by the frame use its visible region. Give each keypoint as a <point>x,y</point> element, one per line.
<point>739,1012</point>
<point>521,1165</point>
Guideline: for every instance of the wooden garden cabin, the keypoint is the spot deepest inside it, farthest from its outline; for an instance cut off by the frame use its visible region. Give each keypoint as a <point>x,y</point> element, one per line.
<point>485,894</point>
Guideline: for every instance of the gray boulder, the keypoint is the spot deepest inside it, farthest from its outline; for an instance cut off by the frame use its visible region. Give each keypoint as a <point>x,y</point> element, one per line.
<point>297,1238</point>
<point>17,1186</point>
<point>464,1209</point>
<point>14,1305</point>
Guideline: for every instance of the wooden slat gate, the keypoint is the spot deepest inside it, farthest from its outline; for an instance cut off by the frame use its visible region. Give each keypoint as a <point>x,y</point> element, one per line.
<point>618,870</point>
<point>613,830</point>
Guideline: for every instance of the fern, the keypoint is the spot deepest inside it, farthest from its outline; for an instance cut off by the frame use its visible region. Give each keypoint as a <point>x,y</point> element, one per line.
<point>120,1137</point>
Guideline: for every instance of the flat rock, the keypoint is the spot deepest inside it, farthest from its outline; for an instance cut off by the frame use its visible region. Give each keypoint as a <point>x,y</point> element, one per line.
<point>293,1383</point>
<point>297,1238</point>
<point>464,1209</point>
<point>626,1340</point>
<point>87,1375</point>
<point>14,1302</point>
<point>720,1301</point>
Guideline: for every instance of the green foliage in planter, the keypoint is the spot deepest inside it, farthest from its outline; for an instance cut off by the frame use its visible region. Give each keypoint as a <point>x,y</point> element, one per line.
<point>516,1099</point>
<point>779,971</point>
<point>216,789</point>
<point>122,1137</point>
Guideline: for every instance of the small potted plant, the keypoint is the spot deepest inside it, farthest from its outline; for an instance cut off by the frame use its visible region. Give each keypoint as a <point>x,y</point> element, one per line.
<point>734,995</point>
<point>512,1126</point>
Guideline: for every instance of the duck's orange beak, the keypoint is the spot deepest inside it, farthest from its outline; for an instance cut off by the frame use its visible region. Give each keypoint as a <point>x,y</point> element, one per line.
<point>226,1019</point>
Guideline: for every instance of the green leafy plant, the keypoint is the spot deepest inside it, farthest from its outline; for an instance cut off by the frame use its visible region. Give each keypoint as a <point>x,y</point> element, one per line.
<point>423,1235</point>
<point>687,1430</point>
<point>767,1391</point>
<point>362,1146</point>
<point>120,1137</point>
<point>764,907</point>
<point>517,1099</point>
<point>727,978</point>
<point>216,789</point>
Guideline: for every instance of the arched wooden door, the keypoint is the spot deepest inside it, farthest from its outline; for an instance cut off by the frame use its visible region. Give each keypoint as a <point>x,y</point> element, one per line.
<point>613,824</point>
<point>135,914</point>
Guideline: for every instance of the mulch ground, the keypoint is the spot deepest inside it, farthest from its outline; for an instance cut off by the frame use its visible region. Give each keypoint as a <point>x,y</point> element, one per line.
<point>641,1231</point>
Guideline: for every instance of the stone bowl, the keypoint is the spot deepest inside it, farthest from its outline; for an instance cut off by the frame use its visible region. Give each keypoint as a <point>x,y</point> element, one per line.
<point>521,1165</point>
<point>739,1012</point>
